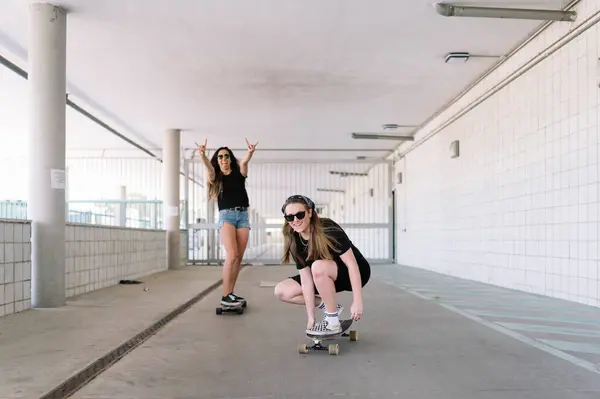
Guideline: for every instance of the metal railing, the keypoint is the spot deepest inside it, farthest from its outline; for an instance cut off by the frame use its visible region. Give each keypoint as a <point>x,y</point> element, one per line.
<point>354,193</point>
<point>139,214</point>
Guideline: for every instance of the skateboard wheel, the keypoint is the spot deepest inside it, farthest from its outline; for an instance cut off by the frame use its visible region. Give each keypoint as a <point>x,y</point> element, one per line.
<point>245,304</point>
<point>334,349</point>
<point>303,349</point>
<point>219,311</point>
<point>239,310</point>
<point>353,335</point>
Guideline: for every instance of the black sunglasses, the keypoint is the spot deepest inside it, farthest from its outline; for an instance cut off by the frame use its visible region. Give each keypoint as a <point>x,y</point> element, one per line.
<point>300,215</point>
<point>226,156</point>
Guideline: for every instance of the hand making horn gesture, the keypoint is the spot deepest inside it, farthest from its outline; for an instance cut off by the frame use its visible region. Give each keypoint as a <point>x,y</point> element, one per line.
<point>201,148</point>
<point>251,147</point>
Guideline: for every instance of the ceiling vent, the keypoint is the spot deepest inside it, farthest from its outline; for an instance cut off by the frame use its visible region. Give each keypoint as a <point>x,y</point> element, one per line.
<point>457,57</point>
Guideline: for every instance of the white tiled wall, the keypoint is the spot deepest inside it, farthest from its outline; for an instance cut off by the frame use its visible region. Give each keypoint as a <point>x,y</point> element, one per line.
<point>15,266</point>
<point>97,257</point>
<point>520,206</point>
<point>100,256</point>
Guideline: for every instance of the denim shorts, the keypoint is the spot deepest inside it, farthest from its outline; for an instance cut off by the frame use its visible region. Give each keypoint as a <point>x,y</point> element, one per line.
<point>237,218</point>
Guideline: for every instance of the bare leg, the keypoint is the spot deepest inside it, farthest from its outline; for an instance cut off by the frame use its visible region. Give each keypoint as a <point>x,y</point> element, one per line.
<point>290,291</point>
<point>229,238</point>
<point>324,275</point>
<point>242,241</point>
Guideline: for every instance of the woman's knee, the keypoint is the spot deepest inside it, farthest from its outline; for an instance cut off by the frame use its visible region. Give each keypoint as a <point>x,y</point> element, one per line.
<point>287,289</point>
<point>324,268</point>
<point>233,256</point>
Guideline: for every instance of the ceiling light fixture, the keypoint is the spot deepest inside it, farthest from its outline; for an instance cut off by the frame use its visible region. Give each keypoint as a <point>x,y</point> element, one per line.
<point>460,57</point>
<point>346,174</point>
<point>368,136</point>
<point>457,58</point>
<point>331,190</point>
<point>389,126</point>
<point>373,160</point>
<point>452,10</point>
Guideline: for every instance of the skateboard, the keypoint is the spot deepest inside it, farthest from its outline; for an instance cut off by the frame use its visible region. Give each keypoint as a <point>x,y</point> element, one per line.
<point>333,349</point>
<point>238,309</point>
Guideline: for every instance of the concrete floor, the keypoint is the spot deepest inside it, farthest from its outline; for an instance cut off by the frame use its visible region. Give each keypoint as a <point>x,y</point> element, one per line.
<point>41,348</point>
<point>566,329</point>
<point>411,345</point>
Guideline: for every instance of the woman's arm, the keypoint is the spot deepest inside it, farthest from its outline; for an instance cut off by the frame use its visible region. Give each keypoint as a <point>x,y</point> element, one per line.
<point>209,168</point>
<point>355,280</point>
<point>247,158</point>
<point>308,291</point>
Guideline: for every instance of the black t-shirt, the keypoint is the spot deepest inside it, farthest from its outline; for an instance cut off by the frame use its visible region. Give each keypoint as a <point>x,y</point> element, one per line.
<point>340,241</point>
<point>233,191</point>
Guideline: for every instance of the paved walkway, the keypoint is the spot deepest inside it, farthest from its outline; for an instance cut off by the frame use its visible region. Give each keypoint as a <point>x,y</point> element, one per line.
<point>411,344</point>
<point>566,329</point>
<point>39,349</point>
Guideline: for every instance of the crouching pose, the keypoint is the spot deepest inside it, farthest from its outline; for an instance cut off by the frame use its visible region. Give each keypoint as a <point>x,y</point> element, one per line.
<point>328,263</point>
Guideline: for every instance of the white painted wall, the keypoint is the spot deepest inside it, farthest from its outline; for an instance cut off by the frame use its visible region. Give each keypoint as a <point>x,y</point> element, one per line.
<point>97,257</point>
<point>520,207</point>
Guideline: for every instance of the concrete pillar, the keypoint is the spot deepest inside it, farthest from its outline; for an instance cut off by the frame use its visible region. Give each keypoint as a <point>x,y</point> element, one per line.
<point>47,142</point>
<point>171,162</point>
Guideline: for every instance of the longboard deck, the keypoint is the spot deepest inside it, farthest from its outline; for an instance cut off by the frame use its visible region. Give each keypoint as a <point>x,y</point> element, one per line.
<point>232,306</point>
<point>345,326</point>
<point>241,305</point>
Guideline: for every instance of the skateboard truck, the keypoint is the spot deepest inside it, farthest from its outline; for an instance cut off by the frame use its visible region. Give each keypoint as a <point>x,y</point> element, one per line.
<point>333,349</point>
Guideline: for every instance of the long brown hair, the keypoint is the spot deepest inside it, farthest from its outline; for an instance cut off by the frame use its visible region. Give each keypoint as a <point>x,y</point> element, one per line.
<point>216,185</point>
<point>319,245</point>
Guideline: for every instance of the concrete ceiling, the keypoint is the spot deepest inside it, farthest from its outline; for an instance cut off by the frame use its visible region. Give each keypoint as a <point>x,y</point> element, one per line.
<point>290,74</point>
<point>81,131</point>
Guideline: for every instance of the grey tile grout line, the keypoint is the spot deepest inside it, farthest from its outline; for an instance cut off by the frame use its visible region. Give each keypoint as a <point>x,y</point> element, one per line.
<point>595,368</point>
<point>76,382</point>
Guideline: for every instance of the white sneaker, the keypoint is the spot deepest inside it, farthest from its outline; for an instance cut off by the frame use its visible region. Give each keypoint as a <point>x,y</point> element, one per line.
<point>324,328</point>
